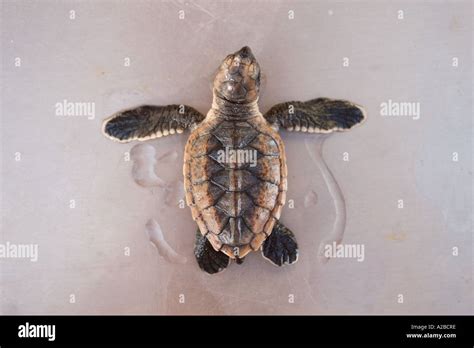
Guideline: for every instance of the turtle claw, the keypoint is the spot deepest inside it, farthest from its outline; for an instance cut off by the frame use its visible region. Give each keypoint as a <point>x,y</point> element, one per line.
<point>208,259</point>
<point>280,247</point>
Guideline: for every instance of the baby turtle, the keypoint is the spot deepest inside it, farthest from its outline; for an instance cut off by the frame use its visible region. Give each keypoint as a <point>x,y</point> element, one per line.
<point>235,173</point>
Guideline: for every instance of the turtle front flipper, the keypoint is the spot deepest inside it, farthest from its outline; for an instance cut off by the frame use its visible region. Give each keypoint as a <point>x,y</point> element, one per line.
<point>149,122</point>
<point>209,260</point>
<point>280,247</point>
<point>321,115</point>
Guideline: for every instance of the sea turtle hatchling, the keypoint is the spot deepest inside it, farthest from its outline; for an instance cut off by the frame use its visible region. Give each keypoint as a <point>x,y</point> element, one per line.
<point>235,172</point>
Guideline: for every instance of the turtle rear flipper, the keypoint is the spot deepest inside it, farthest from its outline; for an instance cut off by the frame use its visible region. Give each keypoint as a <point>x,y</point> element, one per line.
<point>280,247</point>
<point>149,122</point>
<point>321,115</point>
<point>209,260</point>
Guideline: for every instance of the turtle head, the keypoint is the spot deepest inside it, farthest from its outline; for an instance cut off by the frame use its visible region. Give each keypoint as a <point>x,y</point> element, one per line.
<point>238,78</point>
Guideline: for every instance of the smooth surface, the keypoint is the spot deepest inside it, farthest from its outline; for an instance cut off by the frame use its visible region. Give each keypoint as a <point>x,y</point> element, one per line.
<point>83,251</point>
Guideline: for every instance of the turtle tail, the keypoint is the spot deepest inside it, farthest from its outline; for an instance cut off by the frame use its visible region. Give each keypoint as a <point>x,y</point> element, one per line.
<point>239,260</point>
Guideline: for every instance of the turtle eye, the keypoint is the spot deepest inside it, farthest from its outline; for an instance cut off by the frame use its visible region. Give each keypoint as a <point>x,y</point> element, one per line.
<point>228,60</point>
<point>254,71</point>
